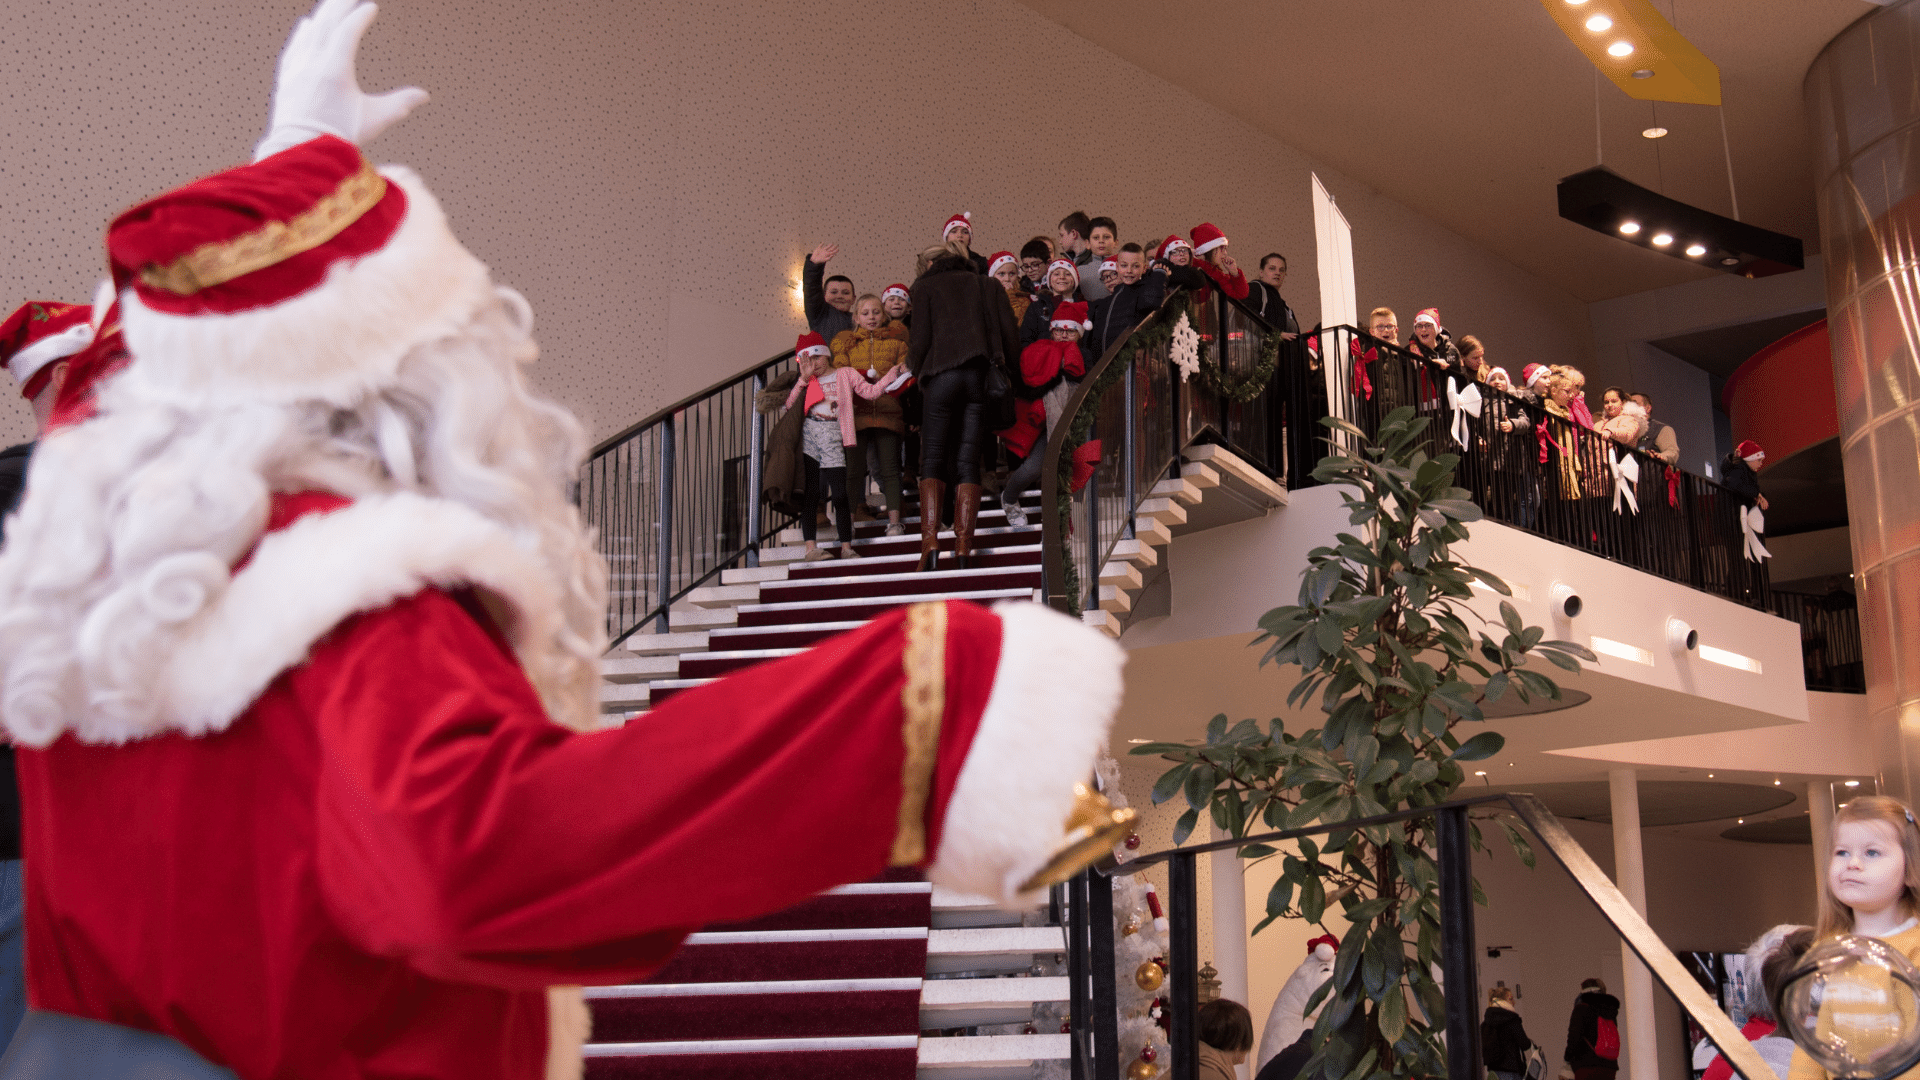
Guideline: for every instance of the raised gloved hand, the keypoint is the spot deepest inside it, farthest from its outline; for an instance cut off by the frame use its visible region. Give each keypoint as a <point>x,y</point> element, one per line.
<point>316,91</point>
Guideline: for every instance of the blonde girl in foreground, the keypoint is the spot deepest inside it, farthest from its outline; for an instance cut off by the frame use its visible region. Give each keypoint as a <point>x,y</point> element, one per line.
<point>1873,889</point>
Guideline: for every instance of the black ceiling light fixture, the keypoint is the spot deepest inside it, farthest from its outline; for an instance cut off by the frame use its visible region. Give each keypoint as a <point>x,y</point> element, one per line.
<point>1609,203</point>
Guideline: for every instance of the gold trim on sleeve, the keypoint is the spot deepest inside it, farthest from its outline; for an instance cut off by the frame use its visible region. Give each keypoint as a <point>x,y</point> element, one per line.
<point>222,261</point>
<point>923,702</point>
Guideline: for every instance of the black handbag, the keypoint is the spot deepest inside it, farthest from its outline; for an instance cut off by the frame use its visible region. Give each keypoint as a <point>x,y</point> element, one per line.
<point>1000,400</point>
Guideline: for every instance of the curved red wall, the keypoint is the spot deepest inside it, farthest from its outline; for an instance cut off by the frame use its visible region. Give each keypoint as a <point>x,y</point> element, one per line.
<point>1782,398</point>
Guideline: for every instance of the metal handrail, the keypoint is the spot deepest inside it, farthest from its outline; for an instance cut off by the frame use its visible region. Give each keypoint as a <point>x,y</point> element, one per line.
<point>1460,977</point>
<point>659,415</point>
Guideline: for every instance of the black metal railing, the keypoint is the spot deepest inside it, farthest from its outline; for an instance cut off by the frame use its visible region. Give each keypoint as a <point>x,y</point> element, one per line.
<point>676,498</point>
<point>1830,649</point>
<point>1090,941</point>
<point>1140,413</point>
<point>1547,474</point>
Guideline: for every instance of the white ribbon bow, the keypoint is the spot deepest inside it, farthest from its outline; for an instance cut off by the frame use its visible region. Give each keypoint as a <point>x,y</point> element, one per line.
<point>1463,403</point>
<point>1752,524</point>
<point>1626,477</point>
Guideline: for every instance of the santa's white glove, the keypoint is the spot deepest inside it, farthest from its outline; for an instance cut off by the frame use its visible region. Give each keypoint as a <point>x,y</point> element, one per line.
<point>316,91</point>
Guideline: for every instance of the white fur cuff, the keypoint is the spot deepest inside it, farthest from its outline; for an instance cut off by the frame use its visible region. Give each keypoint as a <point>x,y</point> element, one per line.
<point>1054,695</point>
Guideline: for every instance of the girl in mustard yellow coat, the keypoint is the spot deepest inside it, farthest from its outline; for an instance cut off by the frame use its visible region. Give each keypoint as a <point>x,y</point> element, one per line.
<point>873,347</point>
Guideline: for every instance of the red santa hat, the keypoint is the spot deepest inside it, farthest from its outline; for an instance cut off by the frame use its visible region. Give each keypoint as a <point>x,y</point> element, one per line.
<point>1071,315</point>
<point>1324,939</point>
<point>1534,373</point>
<point>1428,315</point>
<point>893,290</point>
<point>39,334</point>
<point>1174,241</point>
<point>1206,237</point>
<point>999,258</point>
<point>961,220</point>
<point>811,344</point>
<point>1500,371</point>
<point>306,275</point>
<point>1064,264</point>
<point>1749,451</point>
<point>1109,264</point>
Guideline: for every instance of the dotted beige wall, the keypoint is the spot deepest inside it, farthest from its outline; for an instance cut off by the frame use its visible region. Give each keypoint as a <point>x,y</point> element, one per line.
<point>651,174</point>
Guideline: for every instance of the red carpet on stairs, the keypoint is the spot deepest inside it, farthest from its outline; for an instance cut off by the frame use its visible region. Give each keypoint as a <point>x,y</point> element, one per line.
<point>806,973</point>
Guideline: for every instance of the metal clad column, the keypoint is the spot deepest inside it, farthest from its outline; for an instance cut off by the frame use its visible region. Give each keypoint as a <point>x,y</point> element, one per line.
<point>1640,1050</point>
<point>1229,923</point>
<point>1863,101</point>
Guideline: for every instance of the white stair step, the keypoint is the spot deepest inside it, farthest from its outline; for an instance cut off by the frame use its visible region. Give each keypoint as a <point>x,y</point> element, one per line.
<point>1135,552</point>
<point>1199,474</point>
<point>1152,531</point>
<point>787,937</point>
<point>703,618</point>
<point>882,888</point>
<point>673,643</point>
<point>950,1057</point>
<point>623,697</point>
<point>1121,575</point>
<point>1112,599</point>
<point>725,634</point>
<point>1104,621</point>
<point>984,596</point>
<point>997,949</point>
<point>751,1046</point>
<point>719,596</point>
<point>747,575</point>
<point>958,1003</point>
<point>628,669</point>
<point>1181,491</point>
<point>1229,464</point>
<point>954,910</point>
<point>789,552</point>
<point>796,986</point>
<point>1164,510</point>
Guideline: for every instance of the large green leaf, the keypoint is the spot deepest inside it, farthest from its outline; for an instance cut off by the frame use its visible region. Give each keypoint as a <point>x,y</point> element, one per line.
<point>1393,1014</point>
<point>1484,745</point>
<point>1170,784</point>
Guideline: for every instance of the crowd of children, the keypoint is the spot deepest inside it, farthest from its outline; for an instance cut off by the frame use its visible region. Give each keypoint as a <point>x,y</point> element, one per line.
<point>1072,295</point>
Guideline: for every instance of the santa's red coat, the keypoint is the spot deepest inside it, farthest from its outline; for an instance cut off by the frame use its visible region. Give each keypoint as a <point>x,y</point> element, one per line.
<point>378,867</point>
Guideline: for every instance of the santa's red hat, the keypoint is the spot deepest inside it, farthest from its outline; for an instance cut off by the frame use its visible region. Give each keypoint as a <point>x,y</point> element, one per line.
<point>306,275</point>
<point>811,344</point>
<point>1533,373</point>
<point>895,289</point>
<point>1748,450</point>
<point>1063,264</point>
<point>1428,315</point>
<point>1071,315</point>
<point>998,259</point>
<point>39,334</point>
<point>962,220</point>
<point>1324,939</point>
<point>1206,238</point>
<point>1171,242</point>
<point>1109,264</point>
<point>89,368</point>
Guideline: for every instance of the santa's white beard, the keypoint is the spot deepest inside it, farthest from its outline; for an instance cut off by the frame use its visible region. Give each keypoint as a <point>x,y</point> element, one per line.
<point>132,521</point>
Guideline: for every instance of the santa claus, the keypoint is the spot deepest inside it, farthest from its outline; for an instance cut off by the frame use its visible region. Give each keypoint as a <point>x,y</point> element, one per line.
<point>299,636</point>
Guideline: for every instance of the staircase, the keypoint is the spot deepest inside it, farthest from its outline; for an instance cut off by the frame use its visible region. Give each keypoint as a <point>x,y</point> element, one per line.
<point>890,978</point>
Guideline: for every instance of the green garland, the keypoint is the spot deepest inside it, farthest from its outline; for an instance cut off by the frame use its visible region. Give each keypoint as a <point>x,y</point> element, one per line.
<point>1214,376</point>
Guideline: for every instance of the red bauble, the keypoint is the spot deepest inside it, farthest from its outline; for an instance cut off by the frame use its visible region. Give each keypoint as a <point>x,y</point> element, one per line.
<point>1029,1030</point>
<point>1133,841</point>
<point>1066,1027</point>
<point>1148,1053</point>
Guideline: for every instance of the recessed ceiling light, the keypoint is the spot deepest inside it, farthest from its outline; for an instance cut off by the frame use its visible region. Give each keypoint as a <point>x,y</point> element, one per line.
<point>1776,783</point>
<point>1599,24</point>
<point>1629,227</point>
<point>1663,239</point>
<point>1696,250</point>
<point>1643,73</point>
<point>1654,133</point>
<point>1480,772</point>
<point>1139,741</point>
<point>1575,3</point>
<point>1620,48</point>
<point>1729,261</point>
<point>1853,783</point>
<point>1709,776</point>
<point>1737,821</point>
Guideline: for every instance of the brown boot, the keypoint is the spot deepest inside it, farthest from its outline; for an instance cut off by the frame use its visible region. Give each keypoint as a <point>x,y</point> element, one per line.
<point>932,494</point>
<point>966,511</point>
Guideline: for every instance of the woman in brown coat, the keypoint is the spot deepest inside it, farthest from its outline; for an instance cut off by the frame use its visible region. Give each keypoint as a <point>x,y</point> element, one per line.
<point>874,347</point>
<point>1226,1037</point>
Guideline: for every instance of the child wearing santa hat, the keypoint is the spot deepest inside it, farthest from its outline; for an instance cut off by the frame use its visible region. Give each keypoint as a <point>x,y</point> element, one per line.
<point>1210,244</point>
<point>1005,268</point>
<point>1740,473</point>
<point>1062,282</point>
<point>826,433</point>
<point>899,304</point>
<point>1049,370</point>
<point>959,230</point>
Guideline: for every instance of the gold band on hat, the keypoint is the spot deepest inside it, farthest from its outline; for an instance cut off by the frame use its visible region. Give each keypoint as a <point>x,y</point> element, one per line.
<point>222,261</point>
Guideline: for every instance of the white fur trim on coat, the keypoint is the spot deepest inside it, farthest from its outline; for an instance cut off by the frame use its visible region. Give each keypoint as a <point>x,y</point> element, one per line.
<point>336,341</point>
<point>1054,695</point>
<point>305,579</point>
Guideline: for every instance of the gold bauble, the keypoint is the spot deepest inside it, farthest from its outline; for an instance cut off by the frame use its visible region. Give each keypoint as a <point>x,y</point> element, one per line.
<point>1131,926</point>
<point>1142,1070</point>
<point>1148,976</point>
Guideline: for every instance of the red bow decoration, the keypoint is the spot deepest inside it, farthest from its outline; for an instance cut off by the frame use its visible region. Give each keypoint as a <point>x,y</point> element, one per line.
<point>1673,487</point>
<point>1085,459</point>
<point>1360,378</point>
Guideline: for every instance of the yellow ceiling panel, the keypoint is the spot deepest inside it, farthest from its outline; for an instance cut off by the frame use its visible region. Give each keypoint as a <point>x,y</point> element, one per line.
<point>1636,47</point>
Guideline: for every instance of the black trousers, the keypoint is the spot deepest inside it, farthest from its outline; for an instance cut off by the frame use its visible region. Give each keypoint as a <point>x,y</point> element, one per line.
<point>953,425</point>
<point>834,480</point>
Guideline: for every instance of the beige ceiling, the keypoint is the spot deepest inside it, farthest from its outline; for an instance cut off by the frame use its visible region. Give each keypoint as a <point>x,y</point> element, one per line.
<point>1468,111</point>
